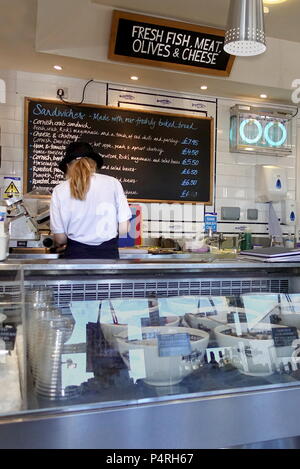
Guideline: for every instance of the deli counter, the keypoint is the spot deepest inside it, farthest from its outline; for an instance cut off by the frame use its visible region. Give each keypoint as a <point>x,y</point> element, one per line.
<point>153,352</point>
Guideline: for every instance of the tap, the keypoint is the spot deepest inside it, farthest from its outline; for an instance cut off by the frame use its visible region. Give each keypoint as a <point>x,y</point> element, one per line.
<point>222,238</point>
<point>237,242</point>
<point>214,239</point>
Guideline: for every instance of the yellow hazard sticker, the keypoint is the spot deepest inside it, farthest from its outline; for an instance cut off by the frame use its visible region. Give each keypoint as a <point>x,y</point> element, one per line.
<point>11,189</point>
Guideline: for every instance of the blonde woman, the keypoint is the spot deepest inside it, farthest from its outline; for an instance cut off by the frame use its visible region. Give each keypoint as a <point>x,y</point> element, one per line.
<point>88,210</point>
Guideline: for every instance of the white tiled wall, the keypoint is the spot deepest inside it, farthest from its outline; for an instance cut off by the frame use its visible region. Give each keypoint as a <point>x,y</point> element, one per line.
<point>167,220</point>
<point>20,85</point>
<point>235,178</point>
<point>235,173</point>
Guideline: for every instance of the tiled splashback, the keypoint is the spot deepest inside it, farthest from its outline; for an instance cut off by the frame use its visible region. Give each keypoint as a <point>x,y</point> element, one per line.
<point>167,220</point>
<point>235,178</point>
<point>234,181</point>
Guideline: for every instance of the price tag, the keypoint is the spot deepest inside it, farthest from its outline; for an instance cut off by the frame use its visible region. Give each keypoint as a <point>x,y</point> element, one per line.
<point>8,335</point>
<point>145,322</point>
<point>170,345</point>
<point>284,336</point>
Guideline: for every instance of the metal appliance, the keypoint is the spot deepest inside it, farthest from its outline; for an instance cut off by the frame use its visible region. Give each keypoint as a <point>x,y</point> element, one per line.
<point>25,229</point>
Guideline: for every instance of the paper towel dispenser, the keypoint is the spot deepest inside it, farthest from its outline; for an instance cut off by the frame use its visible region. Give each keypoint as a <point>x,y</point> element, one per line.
<point>271,183</point>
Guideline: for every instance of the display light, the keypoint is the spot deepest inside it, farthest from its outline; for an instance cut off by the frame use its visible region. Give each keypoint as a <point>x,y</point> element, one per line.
<point>269,140</point>
<point>259,131</point>
<point>245,34</point>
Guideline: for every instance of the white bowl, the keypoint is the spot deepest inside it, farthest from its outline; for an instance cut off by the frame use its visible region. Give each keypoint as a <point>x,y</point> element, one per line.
<point>143,360</point>
<point>290,319</point>
<point>289,311</point>
<point>252,356</point>
<point>110,331</point>
<point>208,320</point>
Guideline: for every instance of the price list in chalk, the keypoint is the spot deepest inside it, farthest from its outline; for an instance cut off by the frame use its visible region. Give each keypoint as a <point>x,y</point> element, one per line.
<point>190,168</point>
<point>156,156</point>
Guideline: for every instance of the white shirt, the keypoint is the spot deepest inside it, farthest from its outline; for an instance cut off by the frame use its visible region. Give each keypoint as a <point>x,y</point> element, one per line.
<point>93,220</point>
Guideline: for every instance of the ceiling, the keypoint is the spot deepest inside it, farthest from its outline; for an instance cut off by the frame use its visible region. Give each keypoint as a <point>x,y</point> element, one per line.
<point>282,21</point>
<point>18,31</point>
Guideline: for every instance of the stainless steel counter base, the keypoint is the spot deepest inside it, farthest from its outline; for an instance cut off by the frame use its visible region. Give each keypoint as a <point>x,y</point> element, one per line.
<point>283,443</point>
<point>230,420</point>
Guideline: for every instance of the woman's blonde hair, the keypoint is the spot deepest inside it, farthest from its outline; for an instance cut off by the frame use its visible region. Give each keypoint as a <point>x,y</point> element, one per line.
<point>79,175</point>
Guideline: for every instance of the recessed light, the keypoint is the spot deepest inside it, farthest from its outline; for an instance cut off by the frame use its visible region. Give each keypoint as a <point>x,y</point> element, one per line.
<point>263,96</point>
<point>57,67</point>
<point>273,2</point>
<point>134,77</point>
<point>203,87</point>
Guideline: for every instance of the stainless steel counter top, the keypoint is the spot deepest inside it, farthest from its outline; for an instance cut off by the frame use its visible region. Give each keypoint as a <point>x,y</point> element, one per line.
<point>171,262</point>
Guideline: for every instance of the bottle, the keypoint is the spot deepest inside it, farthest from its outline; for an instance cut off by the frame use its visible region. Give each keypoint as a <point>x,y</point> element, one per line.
<point>290,241</point>
<point>246,243</point>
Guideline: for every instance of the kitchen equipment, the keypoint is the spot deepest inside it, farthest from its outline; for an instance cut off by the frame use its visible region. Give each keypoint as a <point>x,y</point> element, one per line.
<point>24,227</point>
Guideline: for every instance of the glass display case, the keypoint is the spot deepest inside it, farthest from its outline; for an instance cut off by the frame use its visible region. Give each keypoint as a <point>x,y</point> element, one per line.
<point>12,357</point>
<point>149,354</point>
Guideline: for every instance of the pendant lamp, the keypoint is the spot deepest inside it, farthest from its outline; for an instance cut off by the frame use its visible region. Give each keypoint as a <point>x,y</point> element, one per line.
<point>245,34</point>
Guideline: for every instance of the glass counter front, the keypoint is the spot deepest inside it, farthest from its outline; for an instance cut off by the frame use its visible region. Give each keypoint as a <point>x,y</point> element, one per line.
<point>135,348</point>
<point>93,341</point>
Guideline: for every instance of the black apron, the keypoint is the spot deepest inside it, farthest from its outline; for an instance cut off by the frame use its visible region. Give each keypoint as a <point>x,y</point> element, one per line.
<point>106,250</point>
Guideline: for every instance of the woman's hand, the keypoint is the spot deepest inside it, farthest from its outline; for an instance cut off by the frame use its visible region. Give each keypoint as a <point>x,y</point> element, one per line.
<point>124,227</point>
<point>61,248</point>
<point>60,242</point>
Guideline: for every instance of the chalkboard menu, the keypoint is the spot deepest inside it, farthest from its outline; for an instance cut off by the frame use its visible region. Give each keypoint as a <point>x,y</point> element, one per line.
<point>171,44</point>
<point>156,156</point>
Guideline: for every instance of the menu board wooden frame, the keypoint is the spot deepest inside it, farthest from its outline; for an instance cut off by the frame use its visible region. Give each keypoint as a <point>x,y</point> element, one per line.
<point>28,100</point>
<point>186,27</point>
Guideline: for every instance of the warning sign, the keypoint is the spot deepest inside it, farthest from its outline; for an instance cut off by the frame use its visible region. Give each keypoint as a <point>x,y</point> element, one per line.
<point>11,187</point>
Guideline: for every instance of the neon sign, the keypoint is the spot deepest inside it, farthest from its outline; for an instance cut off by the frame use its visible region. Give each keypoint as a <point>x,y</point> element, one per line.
<point>260,130</point>
<point>272,142</point>
<point>263,132</point>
